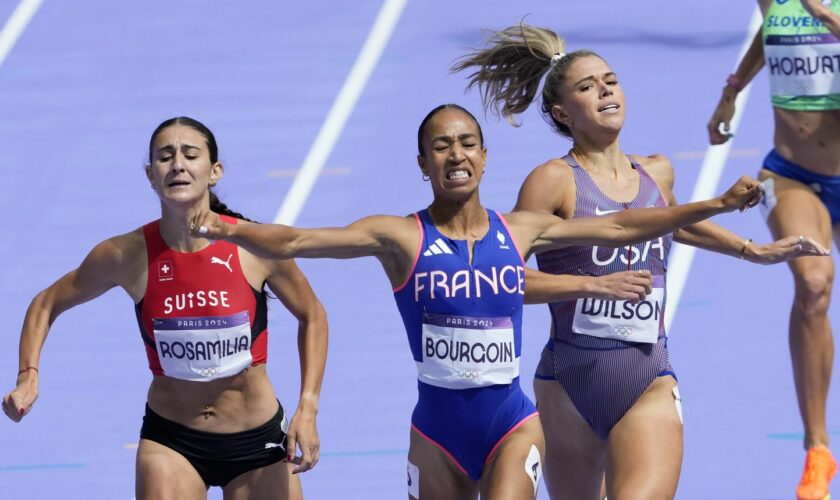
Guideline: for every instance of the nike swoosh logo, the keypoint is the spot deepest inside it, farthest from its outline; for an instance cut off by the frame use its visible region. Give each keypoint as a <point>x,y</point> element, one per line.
<point>600,212</point>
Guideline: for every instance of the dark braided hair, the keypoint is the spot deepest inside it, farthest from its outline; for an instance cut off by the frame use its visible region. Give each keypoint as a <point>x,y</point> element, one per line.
<point>216,205</point>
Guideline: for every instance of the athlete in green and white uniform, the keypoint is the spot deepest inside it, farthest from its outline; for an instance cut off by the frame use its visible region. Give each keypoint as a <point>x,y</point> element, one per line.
<point>803,58</point>
<point>798,42</point>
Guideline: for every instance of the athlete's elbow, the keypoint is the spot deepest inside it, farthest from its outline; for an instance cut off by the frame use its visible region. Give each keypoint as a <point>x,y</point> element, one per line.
<point>44,304</point>
<point>314,317</point>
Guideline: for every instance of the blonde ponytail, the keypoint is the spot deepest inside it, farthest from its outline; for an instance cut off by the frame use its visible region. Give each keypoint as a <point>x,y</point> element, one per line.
<point>508,71</point>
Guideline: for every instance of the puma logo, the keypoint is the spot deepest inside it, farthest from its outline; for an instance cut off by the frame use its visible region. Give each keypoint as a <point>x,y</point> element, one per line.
<point>226,263</point>
<point>535,471</point>
<point>268,446</point>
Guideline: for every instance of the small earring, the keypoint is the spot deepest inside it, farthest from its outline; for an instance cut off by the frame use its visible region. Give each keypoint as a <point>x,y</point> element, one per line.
<point>426,177</point>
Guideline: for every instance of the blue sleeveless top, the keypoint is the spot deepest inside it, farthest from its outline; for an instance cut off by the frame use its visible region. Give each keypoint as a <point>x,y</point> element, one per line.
<point>464,320</point>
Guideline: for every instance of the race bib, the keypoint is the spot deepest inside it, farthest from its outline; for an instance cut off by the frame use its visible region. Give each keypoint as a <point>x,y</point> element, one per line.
<point>621,319</point>
<point>203,348</point>
<point>803,70</point>
<point>462,352</point>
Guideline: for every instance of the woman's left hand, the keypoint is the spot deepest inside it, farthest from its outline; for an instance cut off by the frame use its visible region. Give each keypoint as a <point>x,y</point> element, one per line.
<point>303,434</point>
<point>784,250</point>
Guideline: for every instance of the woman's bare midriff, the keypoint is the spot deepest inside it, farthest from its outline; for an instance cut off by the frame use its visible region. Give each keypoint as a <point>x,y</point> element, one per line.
<point>226,405</point>
<point>811,139</point>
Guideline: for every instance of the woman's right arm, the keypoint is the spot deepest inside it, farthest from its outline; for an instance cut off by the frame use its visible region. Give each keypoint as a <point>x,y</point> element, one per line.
<point>539,232</point>
<point>392,240</point>
<point>376,236</point>
<point>92,278</point>
<point>750,65</point>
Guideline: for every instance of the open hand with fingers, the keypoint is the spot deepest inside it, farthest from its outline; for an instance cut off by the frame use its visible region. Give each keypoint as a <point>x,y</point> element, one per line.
<point>784,250</point>
<point>18,403</point>
<point>303,435</point>
<point>744,194</point>
<point>625,285</point>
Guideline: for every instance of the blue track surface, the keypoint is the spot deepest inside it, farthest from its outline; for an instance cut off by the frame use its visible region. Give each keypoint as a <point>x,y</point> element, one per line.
<point>88,82</point>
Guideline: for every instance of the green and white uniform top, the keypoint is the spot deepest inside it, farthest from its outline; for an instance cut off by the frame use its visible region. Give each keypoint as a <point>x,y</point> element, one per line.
<point>803,58</point>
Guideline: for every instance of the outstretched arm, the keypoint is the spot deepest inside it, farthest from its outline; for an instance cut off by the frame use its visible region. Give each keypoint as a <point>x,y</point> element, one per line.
<point>709,236</point>
<point>293,290</point>
<point>371,236</point>
<point>543,288</point>
<point>545,232</point>
<point>549,189</point>
<point>392,240</point>
<point>91,279</point>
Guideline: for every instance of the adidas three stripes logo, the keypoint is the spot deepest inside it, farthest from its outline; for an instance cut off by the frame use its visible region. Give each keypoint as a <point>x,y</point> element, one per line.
<point>438,247</point>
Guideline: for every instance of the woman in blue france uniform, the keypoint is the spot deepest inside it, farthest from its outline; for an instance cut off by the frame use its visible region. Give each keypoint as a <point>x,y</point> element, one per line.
<point>457,270</point>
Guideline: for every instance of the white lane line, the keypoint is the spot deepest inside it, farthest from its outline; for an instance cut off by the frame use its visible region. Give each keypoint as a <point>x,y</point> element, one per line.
<point>292,172</point>
<point>14,27</point>
<point>706,187</point>
<point>344,103</point>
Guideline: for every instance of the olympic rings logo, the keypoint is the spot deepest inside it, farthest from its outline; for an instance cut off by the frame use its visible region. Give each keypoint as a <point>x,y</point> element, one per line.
<point>208,372</point>
<point>467,374</point>
<point>623,331</point>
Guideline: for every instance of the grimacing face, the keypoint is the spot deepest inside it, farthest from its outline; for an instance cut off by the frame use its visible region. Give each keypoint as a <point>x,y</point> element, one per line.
<point>454,155</point>
<point>592,101</point>
<point>181,170</point>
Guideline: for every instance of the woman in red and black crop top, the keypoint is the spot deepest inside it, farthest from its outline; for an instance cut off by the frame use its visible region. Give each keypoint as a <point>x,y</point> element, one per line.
<point>201,309</point>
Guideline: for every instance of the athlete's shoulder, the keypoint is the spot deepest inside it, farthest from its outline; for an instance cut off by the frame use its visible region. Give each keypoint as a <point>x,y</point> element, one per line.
<point>547,187</point>
<point>385,224</point>
<point>659,167</point>
<point>528,218</point>
<point>556,169</point>
<point>119,259</point>
<point>656,161</point>
<point>383,233</point>
<point>121,249</point>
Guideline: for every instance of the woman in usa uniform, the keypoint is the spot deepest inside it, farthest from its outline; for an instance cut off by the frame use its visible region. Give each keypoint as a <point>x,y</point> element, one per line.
<point>606,391</point>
